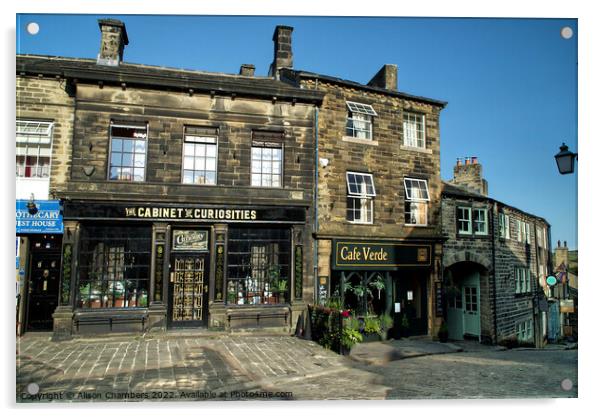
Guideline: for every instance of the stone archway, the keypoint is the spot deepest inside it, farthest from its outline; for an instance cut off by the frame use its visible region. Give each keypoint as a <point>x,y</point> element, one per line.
<point>467,302</point>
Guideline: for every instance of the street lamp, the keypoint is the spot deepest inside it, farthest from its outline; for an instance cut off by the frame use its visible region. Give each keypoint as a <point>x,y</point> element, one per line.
<point>565,160</point>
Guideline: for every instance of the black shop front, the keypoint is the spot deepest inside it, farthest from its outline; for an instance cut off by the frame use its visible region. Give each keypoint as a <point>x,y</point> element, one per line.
<point>381,277</point>
<point>154,266</point>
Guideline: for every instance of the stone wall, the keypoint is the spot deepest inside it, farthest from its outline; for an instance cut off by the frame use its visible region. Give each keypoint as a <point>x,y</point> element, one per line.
<point>384,157</point>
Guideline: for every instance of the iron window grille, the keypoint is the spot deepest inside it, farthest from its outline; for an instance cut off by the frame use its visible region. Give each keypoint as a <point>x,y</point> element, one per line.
<point>360,197</point>
<point>416,204</point>
<point>113,268</point>
<point>128,152</point>
<point>413,130</point>
<point>33,148</point>
<point>258,266</point>
<point>199,156</point>
<point>359,120</point>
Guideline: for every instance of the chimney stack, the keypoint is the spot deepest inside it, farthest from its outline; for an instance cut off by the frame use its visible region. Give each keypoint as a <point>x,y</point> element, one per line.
<point>385,78</point>
<point>113,38</point>
<point>561,255</point>
<point>470,175</point>
<point>247,70</point>
<point>283,50</point>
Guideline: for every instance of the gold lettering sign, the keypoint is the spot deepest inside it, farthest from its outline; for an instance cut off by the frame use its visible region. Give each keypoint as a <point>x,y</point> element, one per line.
<point>189,213</point>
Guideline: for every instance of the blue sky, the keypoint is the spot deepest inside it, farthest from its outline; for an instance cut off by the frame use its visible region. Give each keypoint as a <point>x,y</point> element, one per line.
<point>511,84</point>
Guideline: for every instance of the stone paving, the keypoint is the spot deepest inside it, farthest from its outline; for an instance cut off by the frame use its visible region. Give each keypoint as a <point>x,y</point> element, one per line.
<point>243,367</point>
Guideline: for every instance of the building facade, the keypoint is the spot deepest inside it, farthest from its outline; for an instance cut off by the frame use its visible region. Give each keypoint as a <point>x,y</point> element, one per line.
<point>378,229</point>
<point>495,263</point>
<point>185,194</point>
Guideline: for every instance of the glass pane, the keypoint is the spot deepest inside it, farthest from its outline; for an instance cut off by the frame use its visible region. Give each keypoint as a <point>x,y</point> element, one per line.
<point>256,166</point>
<point>256,180</point>
<point>256,153</point>
<point>200,150</point>
<point>115,159</point>
<point>188,162</point>
<point>116,145</point>
<point>127,160</point>
<point>266,153</point>
<point>276,168</point>
<point>188,177</point>
<point>140,146</point>
<point>199,163</point>
<point>210,164</point>
<point>128,145</point>
<point>211,150</point>
<point>189,149</point>
<point>114,174</point>
<point>139,160</point>
<point>210,177</point>
<point>265,181</point>
<point>277,154</point>
<point>138,174</point>
<point>275,181</point>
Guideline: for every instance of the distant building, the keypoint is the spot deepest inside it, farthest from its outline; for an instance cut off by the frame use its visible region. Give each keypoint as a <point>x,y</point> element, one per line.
<point>566,290</point>
<point>495,261</point>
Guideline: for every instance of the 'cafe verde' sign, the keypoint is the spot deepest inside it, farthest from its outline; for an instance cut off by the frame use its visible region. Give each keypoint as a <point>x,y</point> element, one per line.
<point>379,255</point>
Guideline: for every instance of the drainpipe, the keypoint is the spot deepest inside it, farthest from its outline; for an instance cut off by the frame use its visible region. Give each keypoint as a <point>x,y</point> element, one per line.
<point>494,341</point>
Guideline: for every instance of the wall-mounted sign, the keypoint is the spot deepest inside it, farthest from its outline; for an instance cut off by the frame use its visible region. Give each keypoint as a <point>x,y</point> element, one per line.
<point>183,213</point>
<point>551,280</point>
<point>567,306</point>
<point>371,255</point>
<point>190,240</point>
<point>45,218</point>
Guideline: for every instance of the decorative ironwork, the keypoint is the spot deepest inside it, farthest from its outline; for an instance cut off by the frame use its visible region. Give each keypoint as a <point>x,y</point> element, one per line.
<point>66,276</point>
<point>188,289</point>
<point>219,272</point>
<point>298,272</point>
<point>159,263</point>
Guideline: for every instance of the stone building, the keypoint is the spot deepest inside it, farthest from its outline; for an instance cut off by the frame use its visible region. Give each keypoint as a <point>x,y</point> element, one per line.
<point>495,262</point>
<point>187,195</point>
<point>378,185</point>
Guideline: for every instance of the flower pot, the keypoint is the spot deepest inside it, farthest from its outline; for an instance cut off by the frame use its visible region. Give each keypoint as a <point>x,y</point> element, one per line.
<point>345,351</point>
<point>119,302</point>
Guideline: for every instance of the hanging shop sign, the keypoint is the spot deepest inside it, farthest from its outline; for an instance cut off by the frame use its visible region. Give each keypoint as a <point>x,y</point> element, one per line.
<point>190,240</point>
<point>44,216</point>
<point>184,213</point>
<point>371,255</point>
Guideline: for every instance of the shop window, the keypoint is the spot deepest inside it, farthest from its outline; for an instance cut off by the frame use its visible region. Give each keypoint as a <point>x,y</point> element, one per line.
<point>360,197</point>
<point>199,156</point>
<point>267,159</point>
<point>128,152</point>
<point>413,130</point>
<point>258,266</point>
<point>34,141</point>
<point>113,267</point>
<point>359,120</point>
<point>416,204</point>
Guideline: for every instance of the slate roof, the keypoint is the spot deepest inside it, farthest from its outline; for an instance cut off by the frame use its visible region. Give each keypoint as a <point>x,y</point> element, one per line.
<point>86,70</point>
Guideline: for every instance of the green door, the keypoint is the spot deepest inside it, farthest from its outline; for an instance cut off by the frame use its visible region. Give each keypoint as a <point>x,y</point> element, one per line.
<point>471,312</point>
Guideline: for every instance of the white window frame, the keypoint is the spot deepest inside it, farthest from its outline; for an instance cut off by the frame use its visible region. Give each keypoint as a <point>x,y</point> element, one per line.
<point>504,222</point>
<point>359,115</point>
<point>415,137</point>
<point>484,221</point>
<point>199,140</point>
<point>464,221</point>
<point>271,174</point>
<point>416,202</point>
<point>34,135</point>
<point>519,230</point>
<point>365,198</point>
<point>527,233</point>
<point>524,330</point>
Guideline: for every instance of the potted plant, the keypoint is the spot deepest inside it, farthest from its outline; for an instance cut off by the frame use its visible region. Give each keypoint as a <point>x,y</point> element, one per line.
<point>282,288</point>
<point>443,332</point>
<point>143,299</point>
<point>371,329</point>
<point>386,323</point>
<point>349,337</point>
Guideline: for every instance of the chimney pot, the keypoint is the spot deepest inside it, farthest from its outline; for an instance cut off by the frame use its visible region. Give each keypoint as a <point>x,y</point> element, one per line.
<point>565,243</point>
<point>474,160</point>
<point>113,38</point>
<point>466,160</point>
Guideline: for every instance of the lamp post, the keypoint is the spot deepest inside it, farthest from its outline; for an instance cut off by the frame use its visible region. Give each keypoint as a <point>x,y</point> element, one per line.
<point>565,160</point>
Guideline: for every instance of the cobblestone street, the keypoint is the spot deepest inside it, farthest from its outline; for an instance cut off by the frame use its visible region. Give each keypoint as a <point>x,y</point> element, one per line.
<point>234,367</point>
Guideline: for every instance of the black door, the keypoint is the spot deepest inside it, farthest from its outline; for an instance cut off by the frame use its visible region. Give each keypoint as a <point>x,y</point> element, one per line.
<point>189,290</point>
<point>43,282</point>
<point>411,312</point>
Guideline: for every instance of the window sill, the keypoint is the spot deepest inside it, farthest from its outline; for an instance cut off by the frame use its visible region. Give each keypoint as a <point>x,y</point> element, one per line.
<point>415,225</point>
<point>416,149</point>
<point>360,141</point>
<point>360,223</point>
